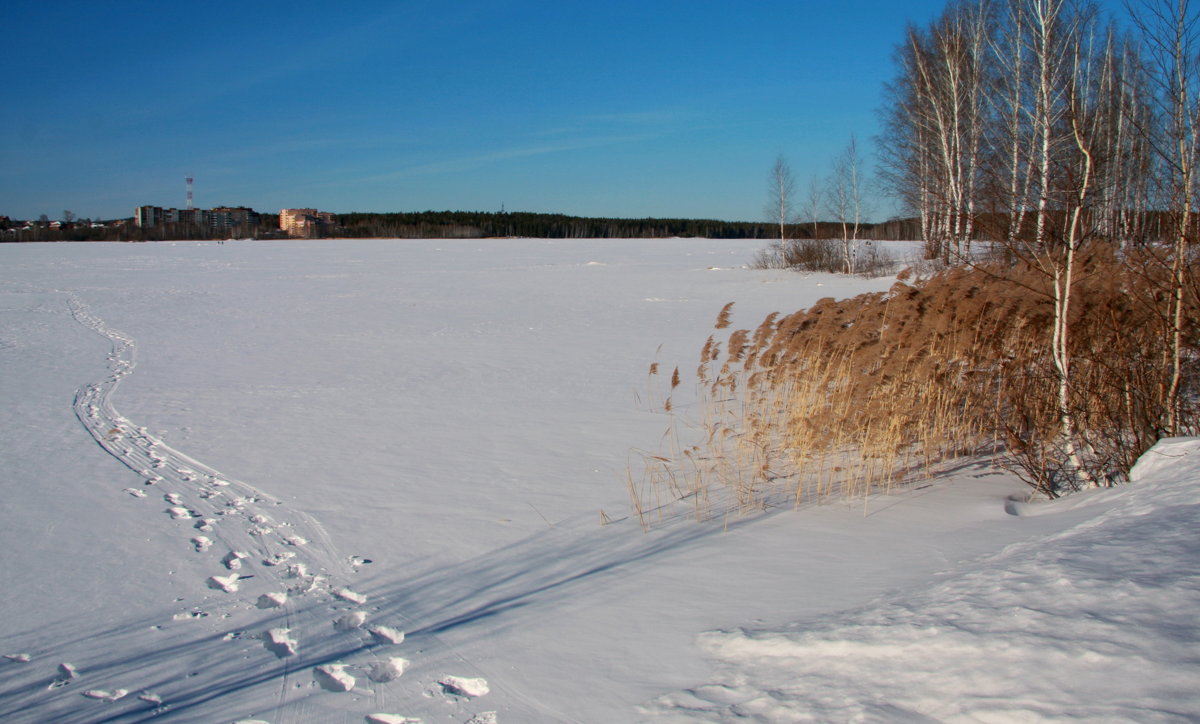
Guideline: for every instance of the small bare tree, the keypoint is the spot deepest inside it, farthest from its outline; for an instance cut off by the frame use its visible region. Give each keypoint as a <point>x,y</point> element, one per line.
<point>814,201</point>
<point>781,190</point>
<point>845,200</point>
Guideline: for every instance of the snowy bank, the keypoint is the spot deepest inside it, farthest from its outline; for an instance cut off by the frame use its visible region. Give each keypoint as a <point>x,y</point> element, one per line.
<point>1097,622</point>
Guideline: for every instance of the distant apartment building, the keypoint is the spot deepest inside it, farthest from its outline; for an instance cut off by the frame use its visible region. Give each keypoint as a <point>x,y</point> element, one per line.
<point>148,216</point>
<point>228,217</point>
<point>305,223</point>
<point>151,216</point>
<point>223,217</point>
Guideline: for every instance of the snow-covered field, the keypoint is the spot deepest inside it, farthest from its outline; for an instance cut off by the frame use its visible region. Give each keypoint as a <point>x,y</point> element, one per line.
<point>348,481</point>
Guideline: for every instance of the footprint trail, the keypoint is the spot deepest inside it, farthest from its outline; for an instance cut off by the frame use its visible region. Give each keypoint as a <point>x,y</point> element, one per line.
<point>278,597</point>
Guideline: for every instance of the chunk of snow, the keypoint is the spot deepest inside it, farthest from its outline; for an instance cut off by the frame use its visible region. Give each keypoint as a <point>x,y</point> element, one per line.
<point>179,513</point>
<point>348,595</point>
<point>306,585</point>
<point>387,634</point>
<point>19,658</point>
<point>462,686</point>
<point>279,641</point>
<point>388,670</point>
<point>351,621</point>
<point>228,584</point>
<point>275,599</point>
<point>104,695</point>
<point>333,677</point>
<point>390,719</point>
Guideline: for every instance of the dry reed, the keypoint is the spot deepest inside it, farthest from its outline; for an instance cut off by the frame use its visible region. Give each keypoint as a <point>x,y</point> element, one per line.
<point>853,397</point>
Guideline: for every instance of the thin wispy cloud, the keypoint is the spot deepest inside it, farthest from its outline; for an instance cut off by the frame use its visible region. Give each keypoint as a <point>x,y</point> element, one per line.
<point>644,118</point>
<point>468,163</point>
<point>476,98</point>
<point>658,120</point>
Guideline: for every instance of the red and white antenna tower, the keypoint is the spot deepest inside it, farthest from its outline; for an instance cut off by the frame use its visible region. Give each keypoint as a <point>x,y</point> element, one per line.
<point>189,193</point>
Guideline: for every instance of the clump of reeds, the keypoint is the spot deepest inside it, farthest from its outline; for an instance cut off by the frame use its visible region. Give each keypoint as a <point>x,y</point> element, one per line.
<point>852,397</point>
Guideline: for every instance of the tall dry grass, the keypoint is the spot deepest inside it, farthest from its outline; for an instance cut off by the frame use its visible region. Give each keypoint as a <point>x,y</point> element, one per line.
<point>852,397</point>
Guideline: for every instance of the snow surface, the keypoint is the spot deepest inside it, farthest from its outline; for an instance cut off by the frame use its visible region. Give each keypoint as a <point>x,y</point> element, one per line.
<point>314,481</point>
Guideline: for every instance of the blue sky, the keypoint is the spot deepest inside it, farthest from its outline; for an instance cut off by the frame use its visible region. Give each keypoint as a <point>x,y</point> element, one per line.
<point>614,108</point>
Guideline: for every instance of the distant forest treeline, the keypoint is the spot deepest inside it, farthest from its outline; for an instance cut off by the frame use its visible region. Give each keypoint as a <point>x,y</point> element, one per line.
<point>479,224</point>
<point>463,225</point>
<point>126,230</point>
<point>476,224</point>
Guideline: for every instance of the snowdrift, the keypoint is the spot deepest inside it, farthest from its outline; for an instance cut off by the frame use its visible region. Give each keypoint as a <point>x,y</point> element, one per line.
<point>1097,622</point>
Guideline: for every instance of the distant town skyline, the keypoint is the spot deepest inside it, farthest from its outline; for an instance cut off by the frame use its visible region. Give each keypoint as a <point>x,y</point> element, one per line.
<point>621,109</point>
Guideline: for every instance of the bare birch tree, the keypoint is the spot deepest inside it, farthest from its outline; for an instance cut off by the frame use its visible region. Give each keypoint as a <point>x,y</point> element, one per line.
<point>1170,30</point>
<point>936,127</point>
<point>1010,142</point>
<point>814,201</point>
<point>781,191</point>
<point>1047,126</point>
<point>845,200</point>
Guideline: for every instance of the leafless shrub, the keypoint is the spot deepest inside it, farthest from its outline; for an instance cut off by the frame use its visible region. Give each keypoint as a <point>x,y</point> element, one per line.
<point>825,255</point>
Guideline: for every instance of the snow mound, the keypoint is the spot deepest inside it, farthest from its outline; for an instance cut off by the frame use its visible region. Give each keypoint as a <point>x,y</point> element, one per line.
<point>1103,611</point>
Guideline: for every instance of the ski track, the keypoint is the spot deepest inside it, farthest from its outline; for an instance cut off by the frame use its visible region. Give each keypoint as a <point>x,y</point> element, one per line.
<point>273,568</point>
